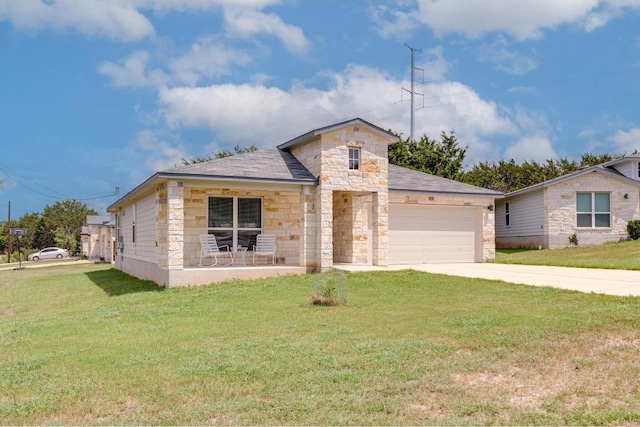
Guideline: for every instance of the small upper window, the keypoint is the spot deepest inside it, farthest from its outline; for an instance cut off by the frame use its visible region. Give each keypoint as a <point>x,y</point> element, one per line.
<point>354,158</point>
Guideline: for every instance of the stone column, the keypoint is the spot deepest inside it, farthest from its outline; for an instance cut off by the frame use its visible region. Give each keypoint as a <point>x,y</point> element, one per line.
<point>309,228</point>
<point>380,210</point>
<point>175,225</point>
<point>324,204</point>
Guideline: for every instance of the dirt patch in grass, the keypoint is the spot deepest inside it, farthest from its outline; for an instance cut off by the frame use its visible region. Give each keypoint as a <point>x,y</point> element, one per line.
<point>583,373</point>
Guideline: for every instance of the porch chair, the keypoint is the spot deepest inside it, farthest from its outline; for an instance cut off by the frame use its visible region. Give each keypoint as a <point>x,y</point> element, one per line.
<point>265,246</point>
<point>209,248</point>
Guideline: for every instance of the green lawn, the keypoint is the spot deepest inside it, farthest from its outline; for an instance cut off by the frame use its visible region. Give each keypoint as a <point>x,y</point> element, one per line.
<point>88,345</point>
<point>623,255</point>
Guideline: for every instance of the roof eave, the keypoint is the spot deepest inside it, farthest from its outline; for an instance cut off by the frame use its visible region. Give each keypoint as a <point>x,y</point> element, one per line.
<point>455,193</point>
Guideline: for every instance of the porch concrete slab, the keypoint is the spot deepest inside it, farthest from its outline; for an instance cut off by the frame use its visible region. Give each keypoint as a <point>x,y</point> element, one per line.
<point>600,281</point>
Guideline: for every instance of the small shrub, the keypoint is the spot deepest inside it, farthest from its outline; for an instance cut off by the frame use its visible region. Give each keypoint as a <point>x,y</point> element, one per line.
<point>633,228</point>
<point>330,289</point>
<point>573,239</point>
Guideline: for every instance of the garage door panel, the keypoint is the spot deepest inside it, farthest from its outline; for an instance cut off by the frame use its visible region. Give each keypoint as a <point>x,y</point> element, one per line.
<point>429,234</point>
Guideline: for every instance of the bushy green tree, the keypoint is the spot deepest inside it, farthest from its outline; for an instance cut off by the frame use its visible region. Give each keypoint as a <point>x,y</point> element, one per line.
<point>62,223</point>
<point>443,158</point>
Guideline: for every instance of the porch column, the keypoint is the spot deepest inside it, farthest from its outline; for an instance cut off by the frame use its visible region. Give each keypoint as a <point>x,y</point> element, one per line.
<point>309,232</point>
<point>325,228</point>
<point>380,208</point>
<point>175,225</point>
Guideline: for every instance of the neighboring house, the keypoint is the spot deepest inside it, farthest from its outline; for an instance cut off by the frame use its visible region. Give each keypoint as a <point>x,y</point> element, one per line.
<point>98,238</point>
<point>329,196</point>
<point>594,203</point>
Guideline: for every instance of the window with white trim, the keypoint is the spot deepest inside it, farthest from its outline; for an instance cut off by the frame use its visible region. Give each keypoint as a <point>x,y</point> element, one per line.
<point>507,218</point>
<point>593,210</point>
<point>354,158</point>
<point>235,221</point>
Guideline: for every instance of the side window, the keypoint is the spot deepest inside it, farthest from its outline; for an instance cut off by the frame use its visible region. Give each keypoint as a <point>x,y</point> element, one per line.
<point>507,218</point>
<point>593,210</point>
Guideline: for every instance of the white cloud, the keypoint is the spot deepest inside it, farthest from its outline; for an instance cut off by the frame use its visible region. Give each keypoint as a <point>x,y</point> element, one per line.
<point>521,19</point>
<point>531,148</point>
<point>507,60</point>
<point>207,58</point>
<point>115,20</point>
<point>628,141</point>
<point>248,23</point>
<point>158,153</point>
<point>266,116</point>
<point>133,71</point>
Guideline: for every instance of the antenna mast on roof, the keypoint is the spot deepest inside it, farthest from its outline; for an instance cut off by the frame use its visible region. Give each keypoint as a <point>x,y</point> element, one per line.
<point>412,91</point>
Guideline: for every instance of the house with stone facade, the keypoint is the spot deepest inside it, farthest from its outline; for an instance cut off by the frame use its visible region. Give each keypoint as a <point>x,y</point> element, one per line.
<point>594,204</point>
<point>329,196</point>
<point>98,238</point>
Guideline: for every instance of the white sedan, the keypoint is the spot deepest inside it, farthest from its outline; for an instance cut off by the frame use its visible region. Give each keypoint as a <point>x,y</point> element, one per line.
<point>49,253</point>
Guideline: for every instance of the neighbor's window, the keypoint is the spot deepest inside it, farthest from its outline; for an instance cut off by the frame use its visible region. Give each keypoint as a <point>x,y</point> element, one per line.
<point>133,227</point>
<point>506,214</point>
<point>638,170</point>
<point>593,209</point>
<point>354,158</point>
<point>235,221</point>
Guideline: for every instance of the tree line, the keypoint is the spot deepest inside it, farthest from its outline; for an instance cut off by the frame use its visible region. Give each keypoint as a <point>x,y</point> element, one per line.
<point>59,225</point>
<point>445,157</point>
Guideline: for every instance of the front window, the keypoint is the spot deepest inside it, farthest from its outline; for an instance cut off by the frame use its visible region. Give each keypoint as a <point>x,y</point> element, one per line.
<point>354,158</point>
<point>593,210</point>
<point>235,221</point>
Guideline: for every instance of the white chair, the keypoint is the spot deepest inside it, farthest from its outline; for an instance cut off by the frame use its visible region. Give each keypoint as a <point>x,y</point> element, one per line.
<point>265,246</point>
<point>210,248</point>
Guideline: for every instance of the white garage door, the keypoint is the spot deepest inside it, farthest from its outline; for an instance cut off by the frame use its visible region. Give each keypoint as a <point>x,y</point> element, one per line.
<point>431,234</point>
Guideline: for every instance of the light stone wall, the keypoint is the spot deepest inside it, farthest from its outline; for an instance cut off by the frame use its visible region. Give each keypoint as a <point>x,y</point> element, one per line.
<point>327,157</point>
<point>488,216</point>
<point>283,216</point>
<point>560,205</point>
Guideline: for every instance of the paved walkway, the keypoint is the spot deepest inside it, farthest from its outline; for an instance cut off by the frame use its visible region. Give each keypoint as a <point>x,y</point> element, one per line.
<point>601,281</point>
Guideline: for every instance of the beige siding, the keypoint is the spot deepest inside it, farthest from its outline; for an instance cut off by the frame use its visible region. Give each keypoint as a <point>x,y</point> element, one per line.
<point>526,214</point>
<point>145,245</point>
<point>628,168</point>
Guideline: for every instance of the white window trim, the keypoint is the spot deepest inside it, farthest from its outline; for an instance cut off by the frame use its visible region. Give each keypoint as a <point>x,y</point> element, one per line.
<point>593,212</point>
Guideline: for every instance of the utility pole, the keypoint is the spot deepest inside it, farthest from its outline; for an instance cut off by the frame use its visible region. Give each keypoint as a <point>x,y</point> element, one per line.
<point>9,235</point>
<point>412,91</point>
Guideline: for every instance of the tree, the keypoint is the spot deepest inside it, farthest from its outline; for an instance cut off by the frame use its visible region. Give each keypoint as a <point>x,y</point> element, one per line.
<point>220,154</point>
<point>507,176</point>
<point>62,223</point>
<point>443,158</point>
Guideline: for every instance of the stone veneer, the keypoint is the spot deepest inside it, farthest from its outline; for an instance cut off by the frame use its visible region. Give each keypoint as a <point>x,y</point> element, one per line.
<point>560,210</point>
<point>326,156</point>
<point>281,216</point>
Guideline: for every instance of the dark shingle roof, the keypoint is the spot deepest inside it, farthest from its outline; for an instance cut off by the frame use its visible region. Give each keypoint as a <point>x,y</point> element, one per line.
<point>403,179</point>
<point>269,165</point>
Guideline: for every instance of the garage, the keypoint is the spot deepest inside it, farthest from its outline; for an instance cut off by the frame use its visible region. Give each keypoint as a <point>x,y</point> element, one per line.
<point>432,234</point>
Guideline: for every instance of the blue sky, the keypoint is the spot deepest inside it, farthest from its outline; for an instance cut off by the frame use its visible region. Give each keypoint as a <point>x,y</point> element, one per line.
<point>101,94</point>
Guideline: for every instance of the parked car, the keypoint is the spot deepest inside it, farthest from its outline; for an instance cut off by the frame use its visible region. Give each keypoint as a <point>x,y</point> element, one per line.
<point>49,253</point>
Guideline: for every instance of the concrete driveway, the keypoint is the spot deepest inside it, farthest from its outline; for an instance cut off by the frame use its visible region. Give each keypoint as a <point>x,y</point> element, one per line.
<point>601,281</point>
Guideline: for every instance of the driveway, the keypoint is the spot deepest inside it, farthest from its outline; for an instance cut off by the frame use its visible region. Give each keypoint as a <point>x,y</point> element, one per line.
<point>601,281</point>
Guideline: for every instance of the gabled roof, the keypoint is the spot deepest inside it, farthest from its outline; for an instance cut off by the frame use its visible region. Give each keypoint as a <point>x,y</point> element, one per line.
<point>272,165</point>
<point>602,169</point>
<point>403,179</point>
<point>312,134</point>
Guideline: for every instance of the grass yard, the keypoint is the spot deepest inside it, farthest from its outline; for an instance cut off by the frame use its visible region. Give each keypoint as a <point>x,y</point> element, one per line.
<point>622,255</point>
<point>87,345</point>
